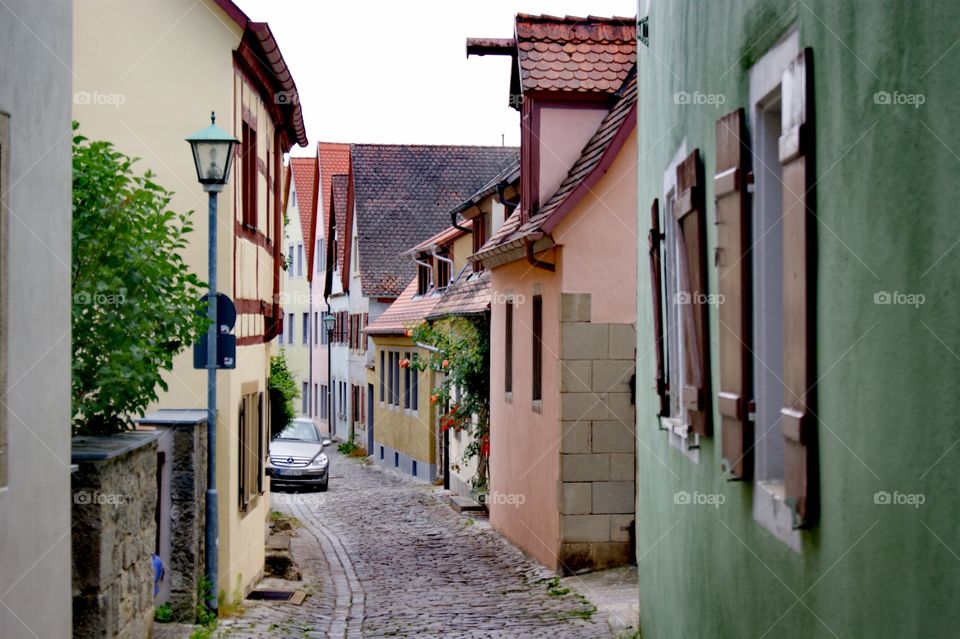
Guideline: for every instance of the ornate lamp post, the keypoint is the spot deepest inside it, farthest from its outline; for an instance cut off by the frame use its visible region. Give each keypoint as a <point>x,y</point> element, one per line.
<point>213,151</point>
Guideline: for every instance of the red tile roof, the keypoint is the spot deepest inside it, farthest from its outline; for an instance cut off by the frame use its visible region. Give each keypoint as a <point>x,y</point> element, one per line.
<point>408,310</point>
<point>468,295</point>
<point>594,160</point>
<point>574,54</point>
<point>442,238</point>
<point>334,160</point>
<point>304,172</point>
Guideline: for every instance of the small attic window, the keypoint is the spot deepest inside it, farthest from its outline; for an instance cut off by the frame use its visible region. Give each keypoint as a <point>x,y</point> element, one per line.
<point>423,276</point>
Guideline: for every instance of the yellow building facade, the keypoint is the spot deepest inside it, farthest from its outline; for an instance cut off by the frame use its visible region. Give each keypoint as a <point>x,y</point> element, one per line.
<point>145,88</point>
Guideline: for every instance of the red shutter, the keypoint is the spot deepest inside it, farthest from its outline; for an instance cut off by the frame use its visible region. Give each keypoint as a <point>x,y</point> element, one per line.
<point>688,210</point>
<point>655,239</point>
<point>799,263</point>
<point>733,285</point>
<point>363,338</point>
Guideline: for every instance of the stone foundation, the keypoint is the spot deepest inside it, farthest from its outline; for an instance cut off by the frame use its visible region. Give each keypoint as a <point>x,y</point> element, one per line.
<point>597,492</point>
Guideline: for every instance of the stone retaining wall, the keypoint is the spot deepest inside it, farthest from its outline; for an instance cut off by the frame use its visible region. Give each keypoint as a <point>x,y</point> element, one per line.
<point>113,535</point>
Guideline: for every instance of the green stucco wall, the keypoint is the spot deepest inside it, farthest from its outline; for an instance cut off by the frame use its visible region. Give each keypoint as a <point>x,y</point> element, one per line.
<point>888,395</point>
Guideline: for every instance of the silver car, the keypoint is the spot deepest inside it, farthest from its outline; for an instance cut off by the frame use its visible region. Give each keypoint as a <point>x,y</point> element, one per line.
<point>297,458</point>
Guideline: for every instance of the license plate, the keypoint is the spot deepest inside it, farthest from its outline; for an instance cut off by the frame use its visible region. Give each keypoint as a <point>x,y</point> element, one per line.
<point>289,472</point>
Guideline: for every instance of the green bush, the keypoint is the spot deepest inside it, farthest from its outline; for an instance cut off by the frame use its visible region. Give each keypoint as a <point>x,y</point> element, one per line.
<point>283,390</point>
<point>136,304</point>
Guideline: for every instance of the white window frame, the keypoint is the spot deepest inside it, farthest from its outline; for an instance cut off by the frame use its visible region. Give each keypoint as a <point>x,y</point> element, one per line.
<point>769,508</point>
<point>680,433</point>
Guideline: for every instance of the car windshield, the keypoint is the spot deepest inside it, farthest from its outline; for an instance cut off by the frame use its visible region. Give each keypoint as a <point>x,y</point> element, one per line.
<point>301,431</point>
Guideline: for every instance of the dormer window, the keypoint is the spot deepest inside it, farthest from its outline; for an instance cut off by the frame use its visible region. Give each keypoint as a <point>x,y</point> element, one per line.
<point>442,267</point>
<point>424,279</point>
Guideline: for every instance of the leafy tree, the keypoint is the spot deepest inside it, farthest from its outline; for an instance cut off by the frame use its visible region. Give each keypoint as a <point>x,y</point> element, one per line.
<point>135,302</point>
<point>283,390</point>
<point>463,395</point>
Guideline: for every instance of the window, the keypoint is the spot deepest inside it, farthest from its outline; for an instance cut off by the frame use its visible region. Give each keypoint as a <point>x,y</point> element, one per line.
<point>250,177</point>
<point>299,260</point>
<point>290,328</point>
<point>479,237</point>
<point>382,374</point>
<point>293,197</point>
<point>406,383</point>
<point>306,328</point>
<point>290,271</point>
<point>316,326</point>
<point>324,402</point>
<point>423,278</point>
<point>355,256</point>
<point>415,392</point>
<point>334,255</point>
<point>304,398</point>
<point>317,258</point>
<point>390,378</point>
<point>396,376</point>
<point>316,399</point>
<point>537,329</point>
<point>443,272</point>
<point>508,347</point>
<point>251,446</point>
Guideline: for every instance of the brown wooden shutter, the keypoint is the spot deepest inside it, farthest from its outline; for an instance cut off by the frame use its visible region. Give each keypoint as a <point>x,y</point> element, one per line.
<point>259,445</point>
<point>242,492</point>
<point>799,263</point>
<point>688,210</point>
<point>363,338</point>
<point>733,285</point>
<point>655,239</point>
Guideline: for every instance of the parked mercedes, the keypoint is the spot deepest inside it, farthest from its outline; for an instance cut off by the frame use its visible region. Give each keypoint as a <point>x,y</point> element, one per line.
<point>297,457</point>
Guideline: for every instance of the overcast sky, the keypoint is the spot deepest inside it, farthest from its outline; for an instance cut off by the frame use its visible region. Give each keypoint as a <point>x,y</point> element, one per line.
<point>396,71</point>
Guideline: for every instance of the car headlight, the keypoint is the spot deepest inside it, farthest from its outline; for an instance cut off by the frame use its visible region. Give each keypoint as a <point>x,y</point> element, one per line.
<point>319,461</point>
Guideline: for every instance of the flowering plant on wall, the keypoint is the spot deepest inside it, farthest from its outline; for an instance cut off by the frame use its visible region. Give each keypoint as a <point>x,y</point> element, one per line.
<point>460,349</point>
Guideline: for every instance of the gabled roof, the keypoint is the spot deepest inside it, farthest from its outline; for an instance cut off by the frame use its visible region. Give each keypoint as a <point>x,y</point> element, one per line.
<point>468,295</point>
<point>260,56</point>
<point>303,171</point>
<point>508,175</point>
<point>334,158</point>
<point>404,194</point>
<point>595,158</point>
<point>442,238</point>
<point>574,54</point>
<point>338,200</point>
<point>406,311</point>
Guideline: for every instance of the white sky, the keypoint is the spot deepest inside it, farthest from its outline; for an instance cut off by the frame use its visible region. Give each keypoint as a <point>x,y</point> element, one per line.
<point>396,71</point>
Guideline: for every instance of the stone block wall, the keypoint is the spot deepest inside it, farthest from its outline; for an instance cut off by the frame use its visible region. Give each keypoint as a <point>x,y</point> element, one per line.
<point>114,535</point>
<point>597,492</point>
<point>185,565</point>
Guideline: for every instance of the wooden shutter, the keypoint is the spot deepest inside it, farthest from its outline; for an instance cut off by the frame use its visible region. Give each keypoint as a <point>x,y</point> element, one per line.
<point>733,285</point>
<point>796,420</point>
<point>260,446</point>
<point>688,210</point>
<point>243,460</point>
<point>655,239</point>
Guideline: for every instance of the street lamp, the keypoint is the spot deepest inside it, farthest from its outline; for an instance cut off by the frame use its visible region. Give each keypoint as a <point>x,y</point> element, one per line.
<point>213,151</point>
<point>329,321</point>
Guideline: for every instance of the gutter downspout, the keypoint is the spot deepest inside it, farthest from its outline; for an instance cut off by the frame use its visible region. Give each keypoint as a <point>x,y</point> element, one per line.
<point>529,241</point>
<point>453,223</point>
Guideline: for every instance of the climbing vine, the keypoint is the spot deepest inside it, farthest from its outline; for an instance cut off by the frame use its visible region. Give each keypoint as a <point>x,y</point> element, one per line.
<point>461,351</point>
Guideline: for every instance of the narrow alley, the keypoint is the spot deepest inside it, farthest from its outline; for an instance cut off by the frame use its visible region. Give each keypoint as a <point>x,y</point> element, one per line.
<point>383,556</point>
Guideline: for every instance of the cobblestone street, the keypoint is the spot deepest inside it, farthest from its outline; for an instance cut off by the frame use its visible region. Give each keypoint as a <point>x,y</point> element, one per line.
<point>382,556</point>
